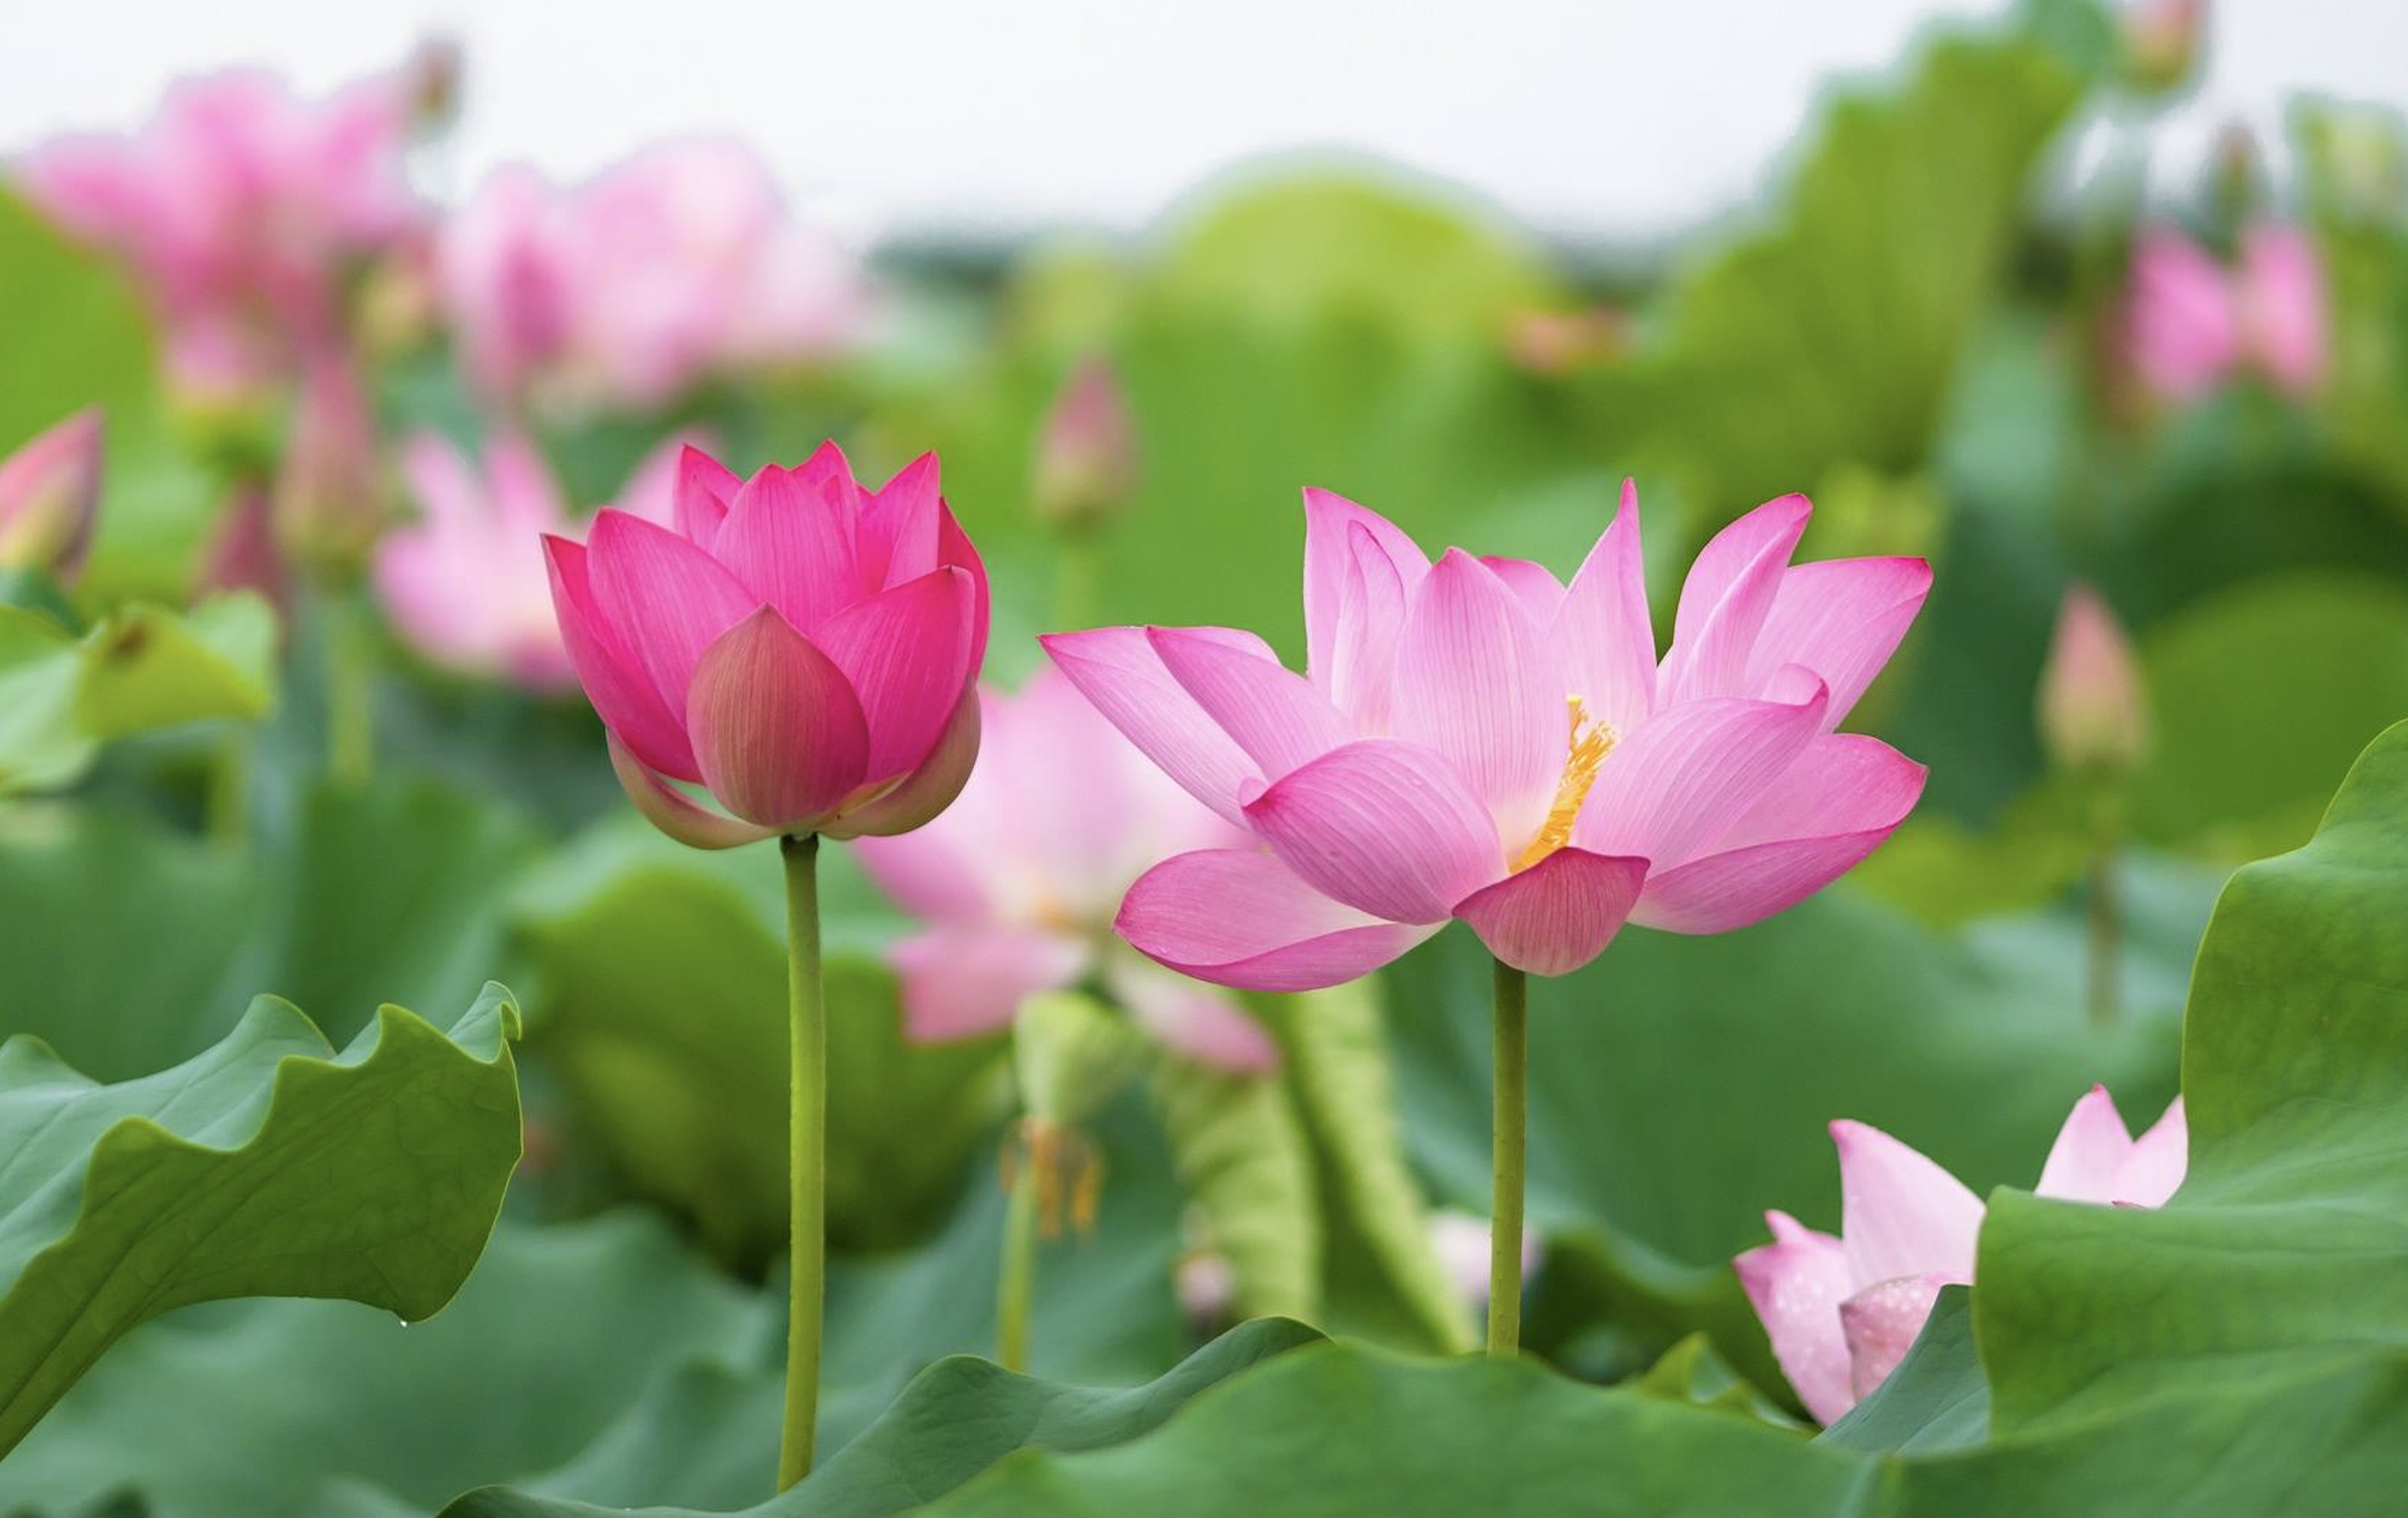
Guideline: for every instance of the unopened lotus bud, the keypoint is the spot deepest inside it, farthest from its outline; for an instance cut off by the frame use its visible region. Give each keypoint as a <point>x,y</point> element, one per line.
<point>2161,42</point>
<point>330,493</point>
<point>2093,715</point>
<point>49,495</point>
<point>1086,453</point>
<point>1557,343</point>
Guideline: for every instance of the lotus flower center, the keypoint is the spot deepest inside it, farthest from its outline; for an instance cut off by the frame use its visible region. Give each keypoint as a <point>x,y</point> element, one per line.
<point>1591,741</point>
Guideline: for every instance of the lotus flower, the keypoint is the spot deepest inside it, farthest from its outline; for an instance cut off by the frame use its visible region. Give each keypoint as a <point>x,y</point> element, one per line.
<point>2193,324</point>
<point>679,263</point>
<point>805,649</point>
<point>49,497</point>
<point>1017,882</point>
<point>1476,740</point>
<point>1843,1312</point>
<point>466,584</point>
<point>242,209</point>
<point>2092,713</point>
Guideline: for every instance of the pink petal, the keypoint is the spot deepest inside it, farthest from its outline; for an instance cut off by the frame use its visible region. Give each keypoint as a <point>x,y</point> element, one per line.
<point>1672,790</point>
<point>953,547</point>
<point>1119,671</point>
<point>896,539</point>
<point>1476,683</point>
<point>1328,523</point>
<point>673,811</point>
<point>1271,712</point>
<point>440,481</point>
<point>2185,333</point>
<point>1796,1285</point>
<point>623,693</point>
<point>1241,918</point>
<point>907,653</point>
<point>926,792</point>
<point>1842,619</point>
<point>651,490</point>
<point>1556,916</point>
<point>1076,807</point>
<point>789,538</point>
<point>2089,1152</point>
<point>705,489</point>
<point>1360,673</point>
<point>952,871</point>
<point>2159,1160</point>
<point>1386,826</point>
<point>526,497</point>
<point>2282,296</point>
<point>1834,806</point>
<point>667,600</point>
<point>1609,644</point>
<point>1725,599</point>
<point>961,982</point>
<point>1900,1214</point>
<point>1540,592</point>
<point>1879,1324</point>
<point>1195,1020</point>
<point>776,727</point>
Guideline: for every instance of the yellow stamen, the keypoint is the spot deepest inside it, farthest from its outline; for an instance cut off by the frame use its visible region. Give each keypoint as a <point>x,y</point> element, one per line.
<point>1590,742</point>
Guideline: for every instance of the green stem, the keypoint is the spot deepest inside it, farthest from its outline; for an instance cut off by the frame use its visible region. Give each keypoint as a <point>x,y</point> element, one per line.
<point>227,807</point>
<point>1016,1280</point>
<point>2106,939</point>
<point>351,694</point>
<point>1506,1149</point>
<point>1078,574</point>
<point>806,1158</point>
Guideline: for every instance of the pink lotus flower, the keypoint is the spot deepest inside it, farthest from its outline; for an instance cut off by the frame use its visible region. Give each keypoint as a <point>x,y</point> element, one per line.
<point>679,263</point>
<point>802,647</point>
<point>2192,324</point>
<point>1843,1312</point>
<point>1462,1241</point>
<point>50,498</point>
<point>1476,740</point>
<point>2092,713</point>
<point>243,209</point>
<point>1017,882</point>
<point>466,584</point>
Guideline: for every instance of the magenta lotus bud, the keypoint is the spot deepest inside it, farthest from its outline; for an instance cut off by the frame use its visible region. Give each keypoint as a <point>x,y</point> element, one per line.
<point>1475,740</point>
<point>2093,715</point>
<point>242,553</point>
<point>1842,1310</point>
<point>804,649</point>
<point>330,495</point>
<point>50,498</point>
<point>1086,452</point>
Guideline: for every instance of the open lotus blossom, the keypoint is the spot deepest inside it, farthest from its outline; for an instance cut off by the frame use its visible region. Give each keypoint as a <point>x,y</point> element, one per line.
<point>803,647</point>
<point>1477,741</point>
<point>466,583</point>
<point>1842,1312</point>
<point>243,209</point>
<point>49,497</point>
<point>2193,323</point>
<point>1018,881</point>
<point>677,264</point>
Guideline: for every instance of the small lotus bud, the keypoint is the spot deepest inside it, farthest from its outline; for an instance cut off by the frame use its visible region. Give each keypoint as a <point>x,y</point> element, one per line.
<point>330,493</point>
<point>49,495</point>
<point>1086,453</point>
<point>1557,343</point>
<point>2093,715</point>
<point>2161,42</point>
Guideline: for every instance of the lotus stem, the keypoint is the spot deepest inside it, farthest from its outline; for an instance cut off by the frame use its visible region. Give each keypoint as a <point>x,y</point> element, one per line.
<point>1015,1282</point>
<point>806,1158</point>
<point>1508,1149</point>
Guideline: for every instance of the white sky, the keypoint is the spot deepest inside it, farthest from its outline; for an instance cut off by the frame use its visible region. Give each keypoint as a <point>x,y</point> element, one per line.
<point>1624,118</point>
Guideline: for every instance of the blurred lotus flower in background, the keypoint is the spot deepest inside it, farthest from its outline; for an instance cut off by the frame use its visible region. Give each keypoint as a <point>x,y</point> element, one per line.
<point>1086,451</point>
<point>806,648</point>
<point>466,583</point>
<point>331,499</point>
<point>241,555</point>
<point>2192,323</point>
<point>50,498</point>
<point>1477,741</point>
<point>245,211</point>
<point>2093,715</point>
<point>678,264</point>
<point>1462,1241</point>
<point>1843,1312</point>
<point>1017,882</point>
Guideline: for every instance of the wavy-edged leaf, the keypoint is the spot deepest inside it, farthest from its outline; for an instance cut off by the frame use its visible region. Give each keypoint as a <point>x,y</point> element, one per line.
<point>269,1165</point>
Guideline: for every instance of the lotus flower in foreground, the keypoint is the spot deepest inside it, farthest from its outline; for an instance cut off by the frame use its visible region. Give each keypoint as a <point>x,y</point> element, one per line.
<point>466,584</point>
<point>2193,323</point>
<point>50,496</point>
<point>801,646</point>
<point>1017,882</point>
<point>1843,1312</point>
<point>1477,741</point>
